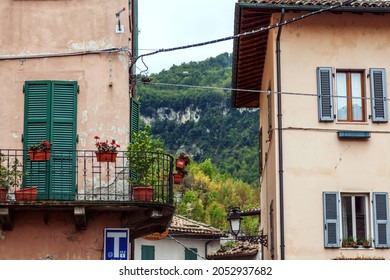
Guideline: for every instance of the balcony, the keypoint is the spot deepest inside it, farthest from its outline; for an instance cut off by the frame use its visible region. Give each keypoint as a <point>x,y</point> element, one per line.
<point>76,181</point>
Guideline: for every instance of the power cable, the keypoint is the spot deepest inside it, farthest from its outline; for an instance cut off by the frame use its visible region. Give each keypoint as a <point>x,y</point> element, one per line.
<point>348,2</point>
<point>265,91</point>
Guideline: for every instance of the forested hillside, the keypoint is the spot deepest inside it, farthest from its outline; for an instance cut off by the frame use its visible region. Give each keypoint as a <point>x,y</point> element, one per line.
<point>188,107</point>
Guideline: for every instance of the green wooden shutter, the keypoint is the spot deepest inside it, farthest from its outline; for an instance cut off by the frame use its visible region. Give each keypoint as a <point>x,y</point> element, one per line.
<point>64,99</point>
<point>50,113</point>
<point>381,220</point>
<point>331,219</point>
<point>191,253</point>
<point>325,94</point>
<point>135,107</point>
<point>36,128</point>
<point>378,95</point>
<point>147,252</point>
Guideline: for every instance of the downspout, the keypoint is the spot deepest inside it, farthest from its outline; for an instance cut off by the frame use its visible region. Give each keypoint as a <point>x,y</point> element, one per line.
<point>280,139</point>
<point>206,248</point>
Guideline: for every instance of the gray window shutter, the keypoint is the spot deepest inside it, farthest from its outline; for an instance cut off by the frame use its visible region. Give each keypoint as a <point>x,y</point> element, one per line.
<point>378,95</point>
<point>325,94</point>
<point>331,219</point>
<point>381,220</point>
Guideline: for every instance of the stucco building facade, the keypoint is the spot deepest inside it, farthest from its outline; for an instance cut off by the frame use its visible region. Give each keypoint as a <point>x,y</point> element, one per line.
<point>319,74</point>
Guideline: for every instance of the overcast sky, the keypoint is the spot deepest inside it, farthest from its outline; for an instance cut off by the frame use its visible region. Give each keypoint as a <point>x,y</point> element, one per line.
<point>166,24</point>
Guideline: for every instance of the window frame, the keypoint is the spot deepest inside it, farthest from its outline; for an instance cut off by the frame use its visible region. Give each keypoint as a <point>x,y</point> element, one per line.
<point>349,94</point>
<point>367,213</point>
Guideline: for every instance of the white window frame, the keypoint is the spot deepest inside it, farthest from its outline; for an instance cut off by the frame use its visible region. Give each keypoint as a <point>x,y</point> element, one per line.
<point>368,213</point>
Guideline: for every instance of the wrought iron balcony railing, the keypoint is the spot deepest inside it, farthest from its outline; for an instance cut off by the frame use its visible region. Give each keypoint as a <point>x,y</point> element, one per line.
<point>79,176</point>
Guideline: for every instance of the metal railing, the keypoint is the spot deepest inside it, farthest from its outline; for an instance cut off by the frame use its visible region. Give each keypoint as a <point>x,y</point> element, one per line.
<point>79,176</point>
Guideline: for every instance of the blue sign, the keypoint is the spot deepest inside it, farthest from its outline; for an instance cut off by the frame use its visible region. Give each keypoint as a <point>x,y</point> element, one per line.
<point>116,243</point>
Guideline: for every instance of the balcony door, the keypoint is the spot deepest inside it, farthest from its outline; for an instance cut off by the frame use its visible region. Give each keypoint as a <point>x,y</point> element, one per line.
<point>50,113</point>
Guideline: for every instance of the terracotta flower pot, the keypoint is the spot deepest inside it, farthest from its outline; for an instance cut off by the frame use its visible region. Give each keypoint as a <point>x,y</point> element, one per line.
<point>3,194</point>
<point>177,178</point>
<point>106,157</point>
<point>39,155</point>
<point>180,164</point>
<point>26,194</point>
<point>142,193</point>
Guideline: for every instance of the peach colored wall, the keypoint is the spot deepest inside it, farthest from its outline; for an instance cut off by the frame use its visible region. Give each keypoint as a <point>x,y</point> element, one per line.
<point>315,160</point>
<point>61,27</point>
<point>269,192</point>
<point>32,238</point>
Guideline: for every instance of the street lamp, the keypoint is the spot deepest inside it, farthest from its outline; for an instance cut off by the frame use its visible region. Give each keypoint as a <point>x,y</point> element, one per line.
<point>235,217</point>
<point>235,221</point>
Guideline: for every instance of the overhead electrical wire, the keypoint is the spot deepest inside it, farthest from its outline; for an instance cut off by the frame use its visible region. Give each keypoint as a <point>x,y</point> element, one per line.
<point>271,26</point>
<point>265,91</point>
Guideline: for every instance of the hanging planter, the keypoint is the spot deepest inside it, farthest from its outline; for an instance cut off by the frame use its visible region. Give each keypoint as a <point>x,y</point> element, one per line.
<point>106,157</point>
<point>180,164</point>
<point>40,151</point>
<point>143,193</point>
<point>177,178</point>
<point>28,194</point>
<point>106,152</point>
<point>39,155</point>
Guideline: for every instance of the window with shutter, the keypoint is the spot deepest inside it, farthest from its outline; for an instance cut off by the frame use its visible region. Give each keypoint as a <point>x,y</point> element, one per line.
<point>325,94</point>
<point>191,253</point>
<point>331,219</point>
<point>147,252</point>
<point>50,113</point>
<point>378,95</point>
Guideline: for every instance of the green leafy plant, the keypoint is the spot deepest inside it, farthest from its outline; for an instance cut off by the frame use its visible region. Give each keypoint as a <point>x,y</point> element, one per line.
<point>42,146</point>
<point>10,173</point>
<point>143,155</point>
<point>105,146</point>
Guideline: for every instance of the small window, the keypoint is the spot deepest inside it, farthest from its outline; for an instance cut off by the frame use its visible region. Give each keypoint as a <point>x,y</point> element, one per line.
<point>147,252</point>
<point>351,103</point>
<point>191,254</point>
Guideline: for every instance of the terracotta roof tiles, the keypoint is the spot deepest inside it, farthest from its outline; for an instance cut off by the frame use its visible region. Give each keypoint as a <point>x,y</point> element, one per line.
<point>182,224</point>
<point>358,3</point>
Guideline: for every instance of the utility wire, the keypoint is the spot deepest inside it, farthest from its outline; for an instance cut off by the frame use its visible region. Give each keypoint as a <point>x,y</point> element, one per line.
<point>186,247</point>
<point>266,91</point>
<point>46,55</point>
<point>348,2</point>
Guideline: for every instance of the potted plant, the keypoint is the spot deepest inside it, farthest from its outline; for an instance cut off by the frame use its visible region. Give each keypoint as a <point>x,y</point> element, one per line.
<point>106,152</point>
<point>10,176</point>
<point>143,158</point>
<point>366,243</point>
<point>40,151</point>
<point>348,242</point>
<point>181,162</point>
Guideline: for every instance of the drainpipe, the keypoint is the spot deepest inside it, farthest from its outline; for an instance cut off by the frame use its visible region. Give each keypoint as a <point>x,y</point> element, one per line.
<point>280,139</point>
<point>206,248</point>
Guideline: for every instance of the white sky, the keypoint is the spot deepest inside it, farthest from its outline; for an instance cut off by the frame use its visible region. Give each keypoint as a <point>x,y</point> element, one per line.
<point>174,23</point>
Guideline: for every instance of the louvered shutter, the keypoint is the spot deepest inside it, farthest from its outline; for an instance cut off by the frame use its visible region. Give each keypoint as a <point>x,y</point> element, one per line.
<point>331,219</point>
<point>325,94</point>
<point>134,117</point>
<point>381,220</point>
<point>378,95</point>
<point>36,128</point>
<point>64,98</point>
<point>50,110</point>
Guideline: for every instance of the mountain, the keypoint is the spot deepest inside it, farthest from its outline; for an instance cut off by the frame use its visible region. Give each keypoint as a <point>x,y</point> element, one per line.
<point>188,107</point>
